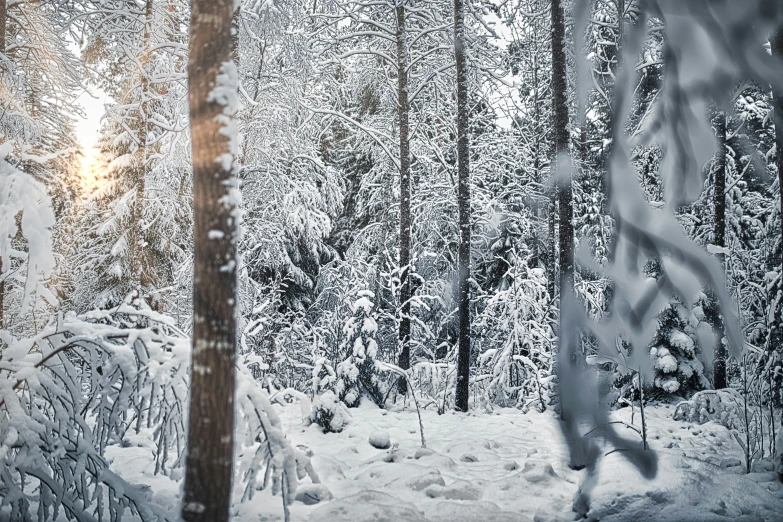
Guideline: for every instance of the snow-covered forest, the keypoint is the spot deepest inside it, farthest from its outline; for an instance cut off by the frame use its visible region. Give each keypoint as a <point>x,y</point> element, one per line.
<point>391,260</point>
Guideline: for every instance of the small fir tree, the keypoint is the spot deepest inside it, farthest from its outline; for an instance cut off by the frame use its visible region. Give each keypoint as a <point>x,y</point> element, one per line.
<point>358,375</point>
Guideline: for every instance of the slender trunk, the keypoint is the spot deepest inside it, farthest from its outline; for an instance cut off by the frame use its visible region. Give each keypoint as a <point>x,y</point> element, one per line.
<point>551,268</point>
<point>641,409</point>
<point>620,30</point>
<point>463,202</point>
<point>719,239</point>
<point>212,100</point>
<point>560,131</point>
<point>405,194</point>
<point>139,268</point>
<point>3,16</point>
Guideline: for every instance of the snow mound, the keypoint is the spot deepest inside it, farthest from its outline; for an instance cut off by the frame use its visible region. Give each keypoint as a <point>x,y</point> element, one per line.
<point>458,490</point>
<point>380,439</point>
<point>368,506</point>
<point>310,494</point>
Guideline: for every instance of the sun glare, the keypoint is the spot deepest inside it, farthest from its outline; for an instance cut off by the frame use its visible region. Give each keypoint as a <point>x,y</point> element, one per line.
<point>90,176</point>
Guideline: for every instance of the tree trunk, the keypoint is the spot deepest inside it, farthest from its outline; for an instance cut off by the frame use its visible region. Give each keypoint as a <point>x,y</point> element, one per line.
<point>719,239</point>
<point>560,131</point>
<point>3,17</point>
<point>213,104</point>
<point>463,202</point>
<point>552,246</point>
<point>139,268</point>
<point>405,194</point>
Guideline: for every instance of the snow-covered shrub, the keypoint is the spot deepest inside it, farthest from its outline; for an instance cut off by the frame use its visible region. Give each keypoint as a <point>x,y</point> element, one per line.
<point>81,384</point>
<point>676,354</point>
<point>357,374</point>
<point>324,376</point>
<point>25,213</point>
<point>518,320</point>
<point>329,413</point>
<point>77,387</point>
<point>722,406</point>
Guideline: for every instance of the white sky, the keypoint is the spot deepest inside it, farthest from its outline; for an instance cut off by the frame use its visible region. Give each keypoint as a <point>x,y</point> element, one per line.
<point>87,129</point>
<point>87,132</point>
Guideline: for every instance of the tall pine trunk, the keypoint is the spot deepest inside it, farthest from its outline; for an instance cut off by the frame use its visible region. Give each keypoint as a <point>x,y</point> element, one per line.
<point>560,131</point>
<point>463,202</point>
<point>405,194</point>
<point>719,239</point>
<point>212,100</point>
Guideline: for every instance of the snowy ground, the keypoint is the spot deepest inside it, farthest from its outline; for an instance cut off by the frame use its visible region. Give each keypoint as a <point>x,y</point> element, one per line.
<point>503,466</point>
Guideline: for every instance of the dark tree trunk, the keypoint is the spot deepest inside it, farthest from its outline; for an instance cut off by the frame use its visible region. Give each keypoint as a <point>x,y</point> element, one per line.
<point>405,194</point>
<point>552,246</point>
<point>209,465</point>
<point>560,130</point>
<point>463,202</point>
<point>719,239</point>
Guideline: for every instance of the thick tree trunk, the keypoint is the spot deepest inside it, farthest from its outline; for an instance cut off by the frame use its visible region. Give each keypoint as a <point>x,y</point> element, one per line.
<point>212,100</point>
<point>560,131</point>
<point>719,239</point>
<point>405,194</point>
<point>463,201</point>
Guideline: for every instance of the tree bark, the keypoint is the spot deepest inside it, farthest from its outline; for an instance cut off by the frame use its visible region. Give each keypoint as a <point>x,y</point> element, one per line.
<point>719,239</point>
<point>212,101</point>
<point>560,131</point>
<point>405,194</point>
<point>463,202</point>
<point>3,17</point>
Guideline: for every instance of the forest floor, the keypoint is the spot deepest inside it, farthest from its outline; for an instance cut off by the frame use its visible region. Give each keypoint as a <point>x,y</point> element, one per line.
<point>504,466</point>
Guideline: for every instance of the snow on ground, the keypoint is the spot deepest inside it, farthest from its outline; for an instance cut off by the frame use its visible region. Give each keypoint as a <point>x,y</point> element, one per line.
<point>501,466</point>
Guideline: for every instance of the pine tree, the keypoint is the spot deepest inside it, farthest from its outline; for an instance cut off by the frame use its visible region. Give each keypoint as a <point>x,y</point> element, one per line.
<point>213,99</point>
<point>463,199</point>
<point>405,192</point>
<point>564,189</point>
<point>719,239</point>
